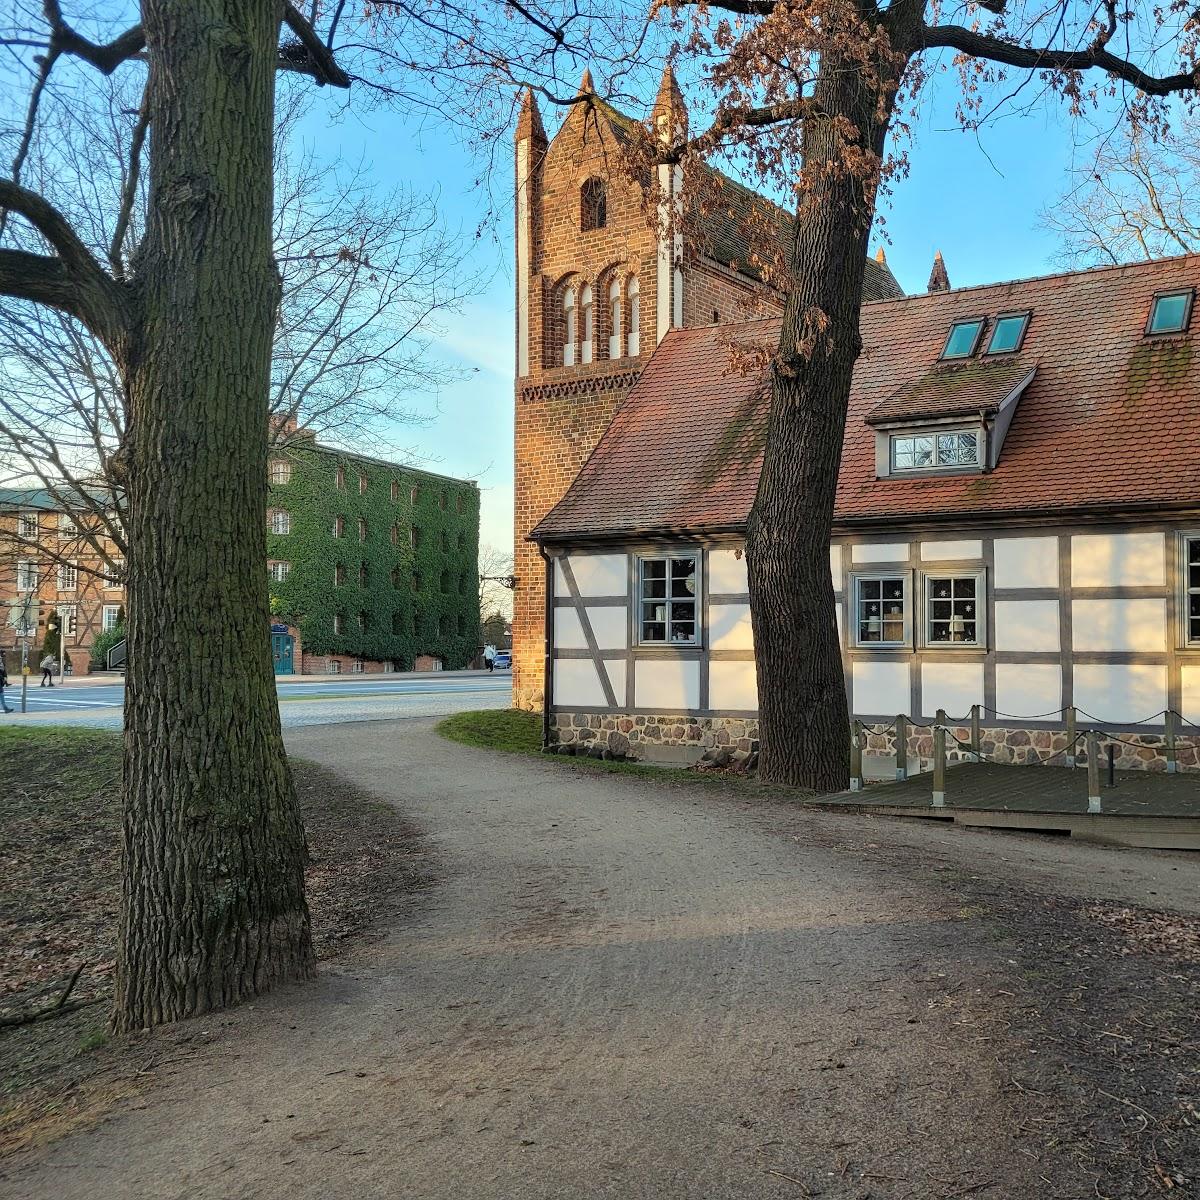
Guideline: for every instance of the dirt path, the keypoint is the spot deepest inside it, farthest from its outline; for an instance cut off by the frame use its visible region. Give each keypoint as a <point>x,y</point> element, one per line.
<point>623,989</point>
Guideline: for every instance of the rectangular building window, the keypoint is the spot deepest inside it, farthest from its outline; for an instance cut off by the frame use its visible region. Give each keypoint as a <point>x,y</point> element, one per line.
<point>27,575</point>
<point>68,577</point>
<point>67,528</point>
<point>114,577</point>
<point>27,526</point>
<point>332,666</point>
<point>110,617</point>
<point>881,604</point>
<point>338,622</point>
<point>1191,587</point>
<point>954,610</point>
<point>934,451</point>
<point>280,471</point>
<point>281,522</point>
<point>279,571</point>
<point>339,527</point>
<point>668,599</point>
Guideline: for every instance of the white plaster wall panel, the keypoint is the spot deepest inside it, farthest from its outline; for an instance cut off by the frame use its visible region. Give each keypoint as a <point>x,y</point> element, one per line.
<point>1119,625</point>
<point>881,688</point>
<point>615,669</point>
<point>610,627</point>
<point>1190,701</point>
<point>868,552</point>
<point>934,551</point>
<point>729,627</point>
<point>732,685</point>
<point>1120,692</point>
<point>597,575</point>
<point>576,682</point>
<point>568,632</point>
<point>1027,625</point>
<point>665,683</point>
<point>954,686</point>
<point>1028,690</point>
<point>1118,559</point>
<point>841,624</point>
<point>1028,562</point>
<point>835,567</point>
<point>727,573</point>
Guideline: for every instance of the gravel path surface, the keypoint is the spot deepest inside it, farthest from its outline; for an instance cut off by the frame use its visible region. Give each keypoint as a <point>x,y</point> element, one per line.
<point>621,988</point>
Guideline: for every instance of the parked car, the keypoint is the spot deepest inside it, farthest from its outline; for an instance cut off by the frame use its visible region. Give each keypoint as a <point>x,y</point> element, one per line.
<point>503,659</point>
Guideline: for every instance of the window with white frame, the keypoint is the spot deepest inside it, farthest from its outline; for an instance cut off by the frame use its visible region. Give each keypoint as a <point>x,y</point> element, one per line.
<point>1191,589</point>
<point>333,667</point>
<point>881,610</point>
<point>68,577</point>
<point>114,575</point>
<point>668,600</point>
<point>614,318</point>
<point>27,526</point>
<point>954,610</point>
<point>281,521</point>
<point>280,471</point>
<point>27,575</point>
<point>67,528</point>
<point>633,325</point>
<point>934,451</point>
<point>339,622</point>
<point>585,343</point>
<point>279,571</point>
<point>110,617</point>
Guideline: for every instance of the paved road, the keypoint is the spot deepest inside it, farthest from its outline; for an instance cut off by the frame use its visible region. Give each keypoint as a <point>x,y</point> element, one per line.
<point>620,988</point>
<point>301,702</point>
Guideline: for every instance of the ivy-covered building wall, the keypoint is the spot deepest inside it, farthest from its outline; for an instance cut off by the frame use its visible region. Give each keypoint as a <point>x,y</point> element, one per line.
<point>372,560</point>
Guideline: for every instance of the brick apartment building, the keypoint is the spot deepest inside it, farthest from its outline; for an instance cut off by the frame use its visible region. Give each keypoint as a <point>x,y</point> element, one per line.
<point>372,566</point>
<point>55,562</point>
<point>598,287</point>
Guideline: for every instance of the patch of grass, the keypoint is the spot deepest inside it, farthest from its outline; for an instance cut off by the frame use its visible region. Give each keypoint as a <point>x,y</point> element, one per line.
<point>515,731</point>
<point>93,1040</point>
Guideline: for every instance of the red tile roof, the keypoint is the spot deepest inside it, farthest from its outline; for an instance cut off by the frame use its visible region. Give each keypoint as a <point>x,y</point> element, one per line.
<point>1110,420</point>
<point>956,390</point>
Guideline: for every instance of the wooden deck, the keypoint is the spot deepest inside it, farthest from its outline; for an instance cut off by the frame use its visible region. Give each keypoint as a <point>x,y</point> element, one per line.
<point>1145,808</point>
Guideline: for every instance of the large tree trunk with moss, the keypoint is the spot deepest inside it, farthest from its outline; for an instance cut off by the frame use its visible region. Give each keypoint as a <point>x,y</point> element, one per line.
<point>803,719</point>
<point>214,848</point>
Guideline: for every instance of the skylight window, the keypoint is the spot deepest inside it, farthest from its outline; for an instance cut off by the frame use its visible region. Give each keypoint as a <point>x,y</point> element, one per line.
<point>963,339</point>
<point>1008,333</point>
<point>1170,312</point>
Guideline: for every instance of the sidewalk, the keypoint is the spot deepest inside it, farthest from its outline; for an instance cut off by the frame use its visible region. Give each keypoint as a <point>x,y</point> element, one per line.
<point>109,678</point>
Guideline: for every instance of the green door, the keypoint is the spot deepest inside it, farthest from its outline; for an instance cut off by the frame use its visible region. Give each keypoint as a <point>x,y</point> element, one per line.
<point>282,645</point>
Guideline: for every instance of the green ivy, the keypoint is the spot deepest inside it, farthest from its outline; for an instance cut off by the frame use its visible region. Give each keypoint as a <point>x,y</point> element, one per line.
<point>400,623</point>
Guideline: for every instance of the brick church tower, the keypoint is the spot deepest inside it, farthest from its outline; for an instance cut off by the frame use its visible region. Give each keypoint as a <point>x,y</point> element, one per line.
<point>598,286</point>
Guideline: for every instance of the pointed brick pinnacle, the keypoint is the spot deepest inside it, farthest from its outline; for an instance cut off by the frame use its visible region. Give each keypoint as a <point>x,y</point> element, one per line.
<point>670,111</point>
<point>939,277</point>
<point>529,122</point>
<point>586,86</point>
<point>881,257</point>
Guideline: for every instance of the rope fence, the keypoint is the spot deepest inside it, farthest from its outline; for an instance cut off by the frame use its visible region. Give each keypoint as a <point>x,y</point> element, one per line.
<point>943,727</point>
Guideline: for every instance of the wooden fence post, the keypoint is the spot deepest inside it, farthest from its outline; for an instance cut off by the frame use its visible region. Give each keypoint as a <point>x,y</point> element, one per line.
<point>939,766</point>
<point>1171,760</point>
<point>856,751</point>
<point>976,735</point>
<point>901,748</point>
<point>1093,771</point>
<point>1071,735</point>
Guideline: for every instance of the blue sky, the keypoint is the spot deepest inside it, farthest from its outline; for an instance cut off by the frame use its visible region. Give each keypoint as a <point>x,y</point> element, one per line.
<point>975,198</point>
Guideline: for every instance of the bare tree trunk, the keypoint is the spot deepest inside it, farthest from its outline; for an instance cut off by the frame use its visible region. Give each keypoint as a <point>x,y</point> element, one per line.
<point>214,907</point>
<point>803,720</point>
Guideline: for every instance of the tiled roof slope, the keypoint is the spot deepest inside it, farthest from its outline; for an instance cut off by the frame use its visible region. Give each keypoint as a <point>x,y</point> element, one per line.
<point>1110,420</point>
<point>956,390</point>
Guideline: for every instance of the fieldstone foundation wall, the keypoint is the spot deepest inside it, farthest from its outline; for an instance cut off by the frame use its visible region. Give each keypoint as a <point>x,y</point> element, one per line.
<point>625,736</point>
<point>1134,752</point>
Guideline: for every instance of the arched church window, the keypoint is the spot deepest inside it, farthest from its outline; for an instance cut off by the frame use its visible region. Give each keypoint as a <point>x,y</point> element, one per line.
<point>568,350</point>
<point>614,318</point>
<point>634,323</point>
<point>593,205</point>
<point>585,303</point>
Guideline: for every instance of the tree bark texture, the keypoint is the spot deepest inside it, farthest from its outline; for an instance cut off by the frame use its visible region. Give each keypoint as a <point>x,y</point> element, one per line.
<point>803,718</point>
<point>214,851</point>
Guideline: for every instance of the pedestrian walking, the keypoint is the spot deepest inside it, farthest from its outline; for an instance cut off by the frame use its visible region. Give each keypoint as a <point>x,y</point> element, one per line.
<point>3,685</point>
<point>489,657</point>
<point>48,664</point>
